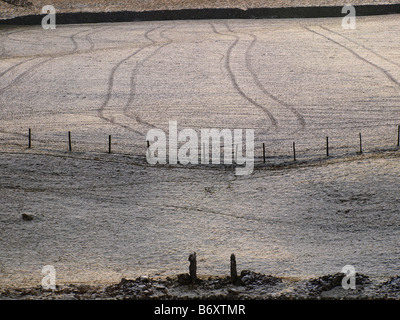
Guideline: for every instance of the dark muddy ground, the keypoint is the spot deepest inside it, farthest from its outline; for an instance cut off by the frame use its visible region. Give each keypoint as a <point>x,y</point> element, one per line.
<point>250,285</point>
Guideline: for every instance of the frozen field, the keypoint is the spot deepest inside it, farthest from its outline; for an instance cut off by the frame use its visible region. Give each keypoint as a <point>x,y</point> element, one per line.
<point>289,80</point>
<point>101,217</point>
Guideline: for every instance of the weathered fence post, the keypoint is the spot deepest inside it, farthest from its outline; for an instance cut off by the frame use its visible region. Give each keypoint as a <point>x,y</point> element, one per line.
<point>193,268</point>
<point>109,143</point>
<point>327,146</point>
<point>29,139</point>
<point>69,141</point>
<point>294,151</point>
<point>263,152</point>
<point>233,269</point>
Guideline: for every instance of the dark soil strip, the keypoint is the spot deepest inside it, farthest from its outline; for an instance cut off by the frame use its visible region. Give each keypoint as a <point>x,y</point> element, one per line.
<point>195,14</point>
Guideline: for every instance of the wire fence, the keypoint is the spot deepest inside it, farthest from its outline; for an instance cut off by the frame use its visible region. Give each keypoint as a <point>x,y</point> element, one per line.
<point>266,150</point>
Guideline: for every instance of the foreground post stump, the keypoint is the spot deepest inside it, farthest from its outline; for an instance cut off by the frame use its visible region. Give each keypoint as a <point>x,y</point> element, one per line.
<point>398,135</point>
<point>193,268</point>
<point>234,275</point>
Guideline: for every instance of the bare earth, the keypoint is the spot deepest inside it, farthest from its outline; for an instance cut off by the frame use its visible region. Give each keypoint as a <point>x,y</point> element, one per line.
<point>8,10</point>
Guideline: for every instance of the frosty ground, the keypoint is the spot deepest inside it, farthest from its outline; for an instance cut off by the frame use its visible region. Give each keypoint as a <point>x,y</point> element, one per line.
<point>100,217</point>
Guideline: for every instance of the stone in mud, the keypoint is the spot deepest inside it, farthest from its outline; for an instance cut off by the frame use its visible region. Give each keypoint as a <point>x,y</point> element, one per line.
<point>141,287</point>
<point>161,287</point>
<point>125,282</point>
<point>233,292</point>
<point>253,278</point>
<point>391,285</point>
<point>328,282</point>
<point>184,279</point>
<point>147,292</point>
<point>27,217</point>
<point>143,279</point>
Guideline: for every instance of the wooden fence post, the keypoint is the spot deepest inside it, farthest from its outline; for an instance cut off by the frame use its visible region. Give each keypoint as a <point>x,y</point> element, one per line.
<point>263,152</point>
<point>193,268</point>
<point>234,275</point>
<point>69,141</point>
<point>30,139</point>
<point>327,146</point>
<point>294,151</point>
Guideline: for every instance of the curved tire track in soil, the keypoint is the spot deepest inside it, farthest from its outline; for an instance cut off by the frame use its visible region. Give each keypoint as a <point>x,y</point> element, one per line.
<point>361,45</point>
<point>5,35</point>
<point>257,81</point>
<point>90,41</point>
<point>39,64</point>
<point>87,37</point>
<point>233,78</point>
<point>110,87</point>
<point>21,76</point>
<point>2,46</point>
<point>53,56</point>
<point>379,68</point>
<point>14,66</point>
<point>75,48</point>
<point>135,72</point>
